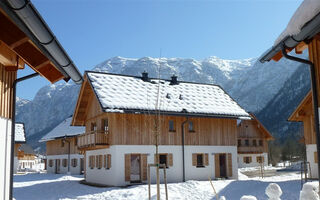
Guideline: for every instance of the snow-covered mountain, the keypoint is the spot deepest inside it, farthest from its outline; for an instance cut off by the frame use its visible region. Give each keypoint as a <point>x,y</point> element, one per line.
<point>251,83</point>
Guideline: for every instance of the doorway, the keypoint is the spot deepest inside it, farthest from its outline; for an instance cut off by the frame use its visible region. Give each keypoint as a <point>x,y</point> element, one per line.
<point>223,165</point>
<point>57,166</point>
<point>81,166</point>
<point>135,175</point>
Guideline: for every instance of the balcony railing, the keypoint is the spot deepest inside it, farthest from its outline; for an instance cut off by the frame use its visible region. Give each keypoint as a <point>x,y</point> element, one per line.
<point>92,139</point>
<point>250,149</point>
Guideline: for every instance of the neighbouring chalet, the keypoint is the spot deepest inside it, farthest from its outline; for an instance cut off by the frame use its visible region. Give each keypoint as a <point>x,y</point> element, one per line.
<point>198,129</point>
<point>304,113</point>
<point>19,139</point>
<point>253,140</point>
<point>25,40</point>
<point>62,150</point>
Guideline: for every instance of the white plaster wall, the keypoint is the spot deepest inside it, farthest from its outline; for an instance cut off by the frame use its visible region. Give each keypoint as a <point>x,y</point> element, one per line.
<point>5,152</point>
<point>254,162</point>
<point>116,174</point>
<point>310,149</point>
<point>64,170</point>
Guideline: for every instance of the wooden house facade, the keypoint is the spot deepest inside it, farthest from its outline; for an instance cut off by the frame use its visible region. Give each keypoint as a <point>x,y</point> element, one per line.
<point>252,143</point>
<point>304,113</point>
<point>25,39</point>
<point>62,154</point>
<point>120,117</point>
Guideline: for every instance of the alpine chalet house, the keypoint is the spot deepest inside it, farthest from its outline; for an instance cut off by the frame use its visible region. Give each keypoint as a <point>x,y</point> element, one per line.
<point>25,39</point>
<point>252,143</point>
<point>19,139</point>
<point>198,129</point>
<point>26,158</point>
<point>301,33</point>
<point>62,150</point>
<point>304,113</point>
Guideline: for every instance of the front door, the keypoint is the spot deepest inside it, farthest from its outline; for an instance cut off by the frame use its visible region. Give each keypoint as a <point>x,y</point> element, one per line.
<point>135,168</point>
<point>223,165</point>
<point>57,166</point>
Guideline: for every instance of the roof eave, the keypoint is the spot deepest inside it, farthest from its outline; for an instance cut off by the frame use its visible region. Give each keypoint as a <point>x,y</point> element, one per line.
<point>308,31</point>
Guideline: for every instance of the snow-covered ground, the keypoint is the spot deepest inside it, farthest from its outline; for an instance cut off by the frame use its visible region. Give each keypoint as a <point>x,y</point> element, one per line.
<point>56,186</point>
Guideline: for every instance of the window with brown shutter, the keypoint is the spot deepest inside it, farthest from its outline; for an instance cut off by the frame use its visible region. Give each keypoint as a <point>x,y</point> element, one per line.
<point>104,125</point>
<point>144,168</point>
<point>260,143</point>
<point>165,158</point>
<point>74,162</point>
<point>315,157</point>
<point>254,143</point>
<point>127,166</point>
<point>91,161</point>
<point>260,159</point>
<point>64,162</point>
<point>239,143</point>
<point>229,164</point>
<point>247,159</point>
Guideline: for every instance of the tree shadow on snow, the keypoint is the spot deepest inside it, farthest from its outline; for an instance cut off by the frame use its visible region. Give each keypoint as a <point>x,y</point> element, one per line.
<point>235,190</point>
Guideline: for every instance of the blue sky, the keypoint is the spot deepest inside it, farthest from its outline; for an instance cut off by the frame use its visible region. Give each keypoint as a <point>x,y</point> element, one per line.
<point>92,31</point>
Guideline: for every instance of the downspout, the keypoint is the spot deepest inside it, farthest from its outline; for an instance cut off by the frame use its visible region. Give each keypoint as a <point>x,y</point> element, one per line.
<point>13,127</point>
<point>314,95</point>
<point>183,160</point>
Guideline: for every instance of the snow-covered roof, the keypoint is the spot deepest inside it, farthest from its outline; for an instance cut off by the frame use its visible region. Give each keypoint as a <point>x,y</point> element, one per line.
<point>306,11</point>
<point>122,93</point>
<point>62,130</point>
<point>20,135</point>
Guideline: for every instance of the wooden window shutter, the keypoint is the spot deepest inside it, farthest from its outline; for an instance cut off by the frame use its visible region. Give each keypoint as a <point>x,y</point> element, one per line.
<point>194,159</point>
<point>109,161</point>
<point>144,167</point>
<point>170,159</point>
<point>217,165</point>
<point>244,159</point>
<point>206,159</point>
<point>229,164</point>
<point>127,164</point>
<point>155,158</point>
<point>105,161</point>
<point>315,157</point>
<point>97,161</point>
<point>93,161</point>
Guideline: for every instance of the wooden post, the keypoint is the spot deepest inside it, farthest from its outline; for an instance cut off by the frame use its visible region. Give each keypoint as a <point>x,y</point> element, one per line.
<point>149,182</point>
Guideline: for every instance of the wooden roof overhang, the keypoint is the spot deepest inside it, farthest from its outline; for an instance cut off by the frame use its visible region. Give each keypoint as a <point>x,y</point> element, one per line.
<point>303,109</point>
<point>25,38</point>
<point>18,49</point>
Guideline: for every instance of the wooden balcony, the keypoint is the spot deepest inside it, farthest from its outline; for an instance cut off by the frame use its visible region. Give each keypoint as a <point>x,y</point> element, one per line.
<point>93,140</point>
<point>250,149</point>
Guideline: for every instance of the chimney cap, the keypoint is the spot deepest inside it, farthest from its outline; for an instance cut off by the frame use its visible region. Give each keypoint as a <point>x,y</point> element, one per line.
<point>174,80</point>
<point>145,76</point>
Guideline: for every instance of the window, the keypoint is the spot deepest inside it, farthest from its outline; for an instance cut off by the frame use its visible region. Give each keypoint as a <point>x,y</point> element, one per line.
<point>260,143</point>
<point>163,159</point>
<point>74,162</point>
<point>254,143</point>
<point>50,163</point>
<point>172,125</point>
<point>191,127</point>
<point>91,161</point>
<point>104,125</point>
<point>246,142</point>
<point>247,159</point>
<point>260,159</point>
<point>107,161</point>
<point>93,127</point>
<point>239,143</point>
<point>64,162</point>
<point>200,160</point>
<point>99,161</point>
<point>75,141</point>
